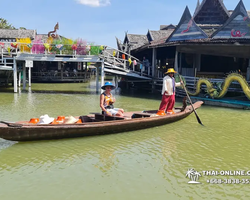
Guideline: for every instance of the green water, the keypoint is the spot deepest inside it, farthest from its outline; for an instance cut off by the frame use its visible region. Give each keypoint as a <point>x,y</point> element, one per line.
<point>147,164</point>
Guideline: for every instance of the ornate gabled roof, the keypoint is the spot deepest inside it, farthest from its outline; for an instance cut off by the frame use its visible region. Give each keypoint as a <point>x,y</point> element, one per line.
<point>237,26</point>
<point>157,35</point>
<point>211,12</point>
<point>119,44</point>
<point>17,33</point>
<point>197,7</point>
<point>187,29</point>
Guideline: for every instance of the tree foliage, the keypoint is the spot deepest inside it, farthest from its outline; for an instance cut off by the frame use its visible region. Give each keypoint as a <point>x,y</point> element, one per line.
<point>4,24</point>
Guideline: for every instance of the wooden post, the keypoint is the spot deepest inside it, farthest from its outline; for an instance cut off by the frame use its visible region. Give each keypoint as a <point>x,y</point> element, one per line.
<point>176,67</point>
<point>24,76</point>
<point>15,74</point>
<point>97,79</point>
<point>102,74</point>
<point>19,79</point>
<point>29,76</point>
<point>198,62</point>
<point>85,71</point>
<point>248,70</point>
<point>154,62</point>
<point>116,81</point>
<point>180,63</point>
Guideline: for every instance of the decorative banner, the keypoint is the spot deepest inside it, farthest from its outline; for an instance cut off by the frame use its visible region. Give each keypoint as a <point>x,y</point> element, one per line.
<point>114,53</point>
<point>59,46</point>
<point>14,45</point>
<point>74,47</point>
<point>130,61</point>
<point>29,45</point>
<point>46,45</point>
<point>135,63</point>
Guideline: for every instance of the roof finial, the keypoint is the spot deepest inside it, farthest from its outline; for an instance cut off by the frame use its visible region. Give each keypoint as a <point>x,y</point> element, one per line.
<point>197,7</point>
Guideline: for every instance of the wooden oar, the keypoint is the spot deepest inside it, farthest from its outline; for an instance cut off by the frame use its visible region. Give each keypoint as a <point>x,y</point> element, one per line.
<point>10,124</point>
<point>197,117</point>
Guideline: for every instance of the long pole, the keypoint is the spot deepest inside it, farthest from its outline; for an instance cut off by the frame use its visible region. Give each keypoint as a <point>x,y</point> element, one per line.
<point>197,117</point>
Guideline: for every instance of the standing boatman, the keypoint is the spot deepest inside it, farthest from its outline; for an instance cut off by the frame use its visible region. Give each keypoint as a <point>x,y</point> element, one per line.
<point>168,93</point>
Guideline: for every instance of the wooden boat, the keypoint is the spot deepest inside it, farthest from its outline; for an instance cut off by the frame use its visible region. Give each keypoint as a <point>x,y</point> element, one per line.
<point>93,124</point>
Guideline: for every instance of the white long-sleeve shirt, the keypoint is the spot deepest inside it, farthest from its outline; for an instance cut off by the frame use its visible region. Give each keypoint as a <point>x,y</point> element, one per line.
<point>168,85</point>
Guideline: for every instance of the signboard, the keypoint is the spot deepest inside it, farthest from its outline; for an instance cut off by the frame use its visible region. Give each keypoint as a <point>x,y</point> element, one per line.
<point>28,63</point>
<point>7,40</point>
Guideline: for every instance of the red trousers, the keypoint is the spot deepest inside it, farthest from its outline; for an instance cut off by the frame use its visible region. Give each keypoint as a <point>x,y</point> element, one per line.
<point>168,102</point>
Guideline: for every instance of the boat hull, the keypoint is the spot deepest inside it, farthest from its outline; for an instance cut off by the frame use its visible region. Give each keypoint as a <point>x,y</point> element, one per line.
<point>48,132</point>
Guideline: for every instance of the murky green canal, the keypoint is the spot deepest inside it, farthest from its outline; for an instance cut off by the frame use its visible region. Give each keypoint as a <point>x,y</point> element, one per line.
<point>147,164</point>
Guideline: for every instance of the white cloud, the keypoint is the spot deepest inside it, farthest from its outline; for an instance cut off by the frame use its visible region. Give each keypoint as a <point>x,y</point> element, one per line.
<point>94,3</point>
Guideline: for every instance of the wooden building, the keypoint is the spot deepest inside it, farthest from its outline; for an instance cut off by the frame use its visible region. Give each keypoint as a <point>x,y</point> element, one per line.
<point>13,43</point>
<point>210,43</point>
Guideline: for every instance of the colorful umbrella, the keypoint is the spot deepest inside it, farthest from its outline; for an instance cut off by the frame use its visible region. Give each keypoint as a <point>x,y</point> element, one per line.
<point>74,47</point>
<point>59,46</point>
<point>46,45</point>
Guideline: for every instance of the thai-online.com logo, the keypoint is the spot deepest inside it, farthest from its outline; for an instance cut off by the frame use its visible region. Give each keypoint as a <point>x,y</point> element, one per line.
<point>194,175</point>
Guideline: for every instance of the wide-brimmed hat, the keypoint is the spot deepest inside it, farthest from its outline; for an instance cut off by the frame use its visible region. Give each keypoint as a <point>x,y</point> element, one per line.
<point>170,70</point>
<point>108,84</point>
<point>45,119</point>
<point>70,120</point>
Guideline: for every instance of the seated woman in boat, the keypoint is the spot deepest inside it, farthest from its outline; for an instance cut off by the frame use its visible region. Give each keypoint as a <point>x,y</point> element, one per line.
<point>107,100</point>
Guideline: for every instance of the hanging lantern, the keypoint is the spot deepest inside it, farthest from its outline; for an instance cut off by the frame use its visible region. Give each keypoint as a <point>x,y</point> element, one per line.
<point>8,50</point>
<point>59,46</point>
<point>88,47</point>
<point>29,45</point>
<point>14,45</point>
<point>135,63</point>
<point>114,53</point>
<point>46,45</point>
<point>74,47</point>
<point>123,56</point>
<point>130,61</point>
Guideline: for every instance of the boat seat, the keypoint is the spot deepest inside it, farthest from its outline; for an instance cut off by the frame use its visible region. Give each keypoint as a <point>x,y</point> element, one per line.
<point>141,115</point>
<point>101,117</point>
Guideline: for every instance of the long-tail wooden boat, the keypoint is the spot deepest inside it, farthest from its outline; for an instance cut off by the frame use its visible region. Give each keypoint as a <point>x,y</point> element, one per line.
<point>94,124</point>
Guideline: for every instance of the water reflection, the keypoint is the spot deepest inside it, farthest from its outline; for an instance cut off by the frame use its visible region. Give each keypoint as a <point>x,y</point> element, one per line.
<point>145,164</point>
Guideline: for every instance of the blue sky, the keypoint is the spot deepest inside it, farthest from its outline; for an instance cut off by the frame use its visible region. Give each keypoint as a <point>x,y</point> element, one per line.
<point>98,21</point>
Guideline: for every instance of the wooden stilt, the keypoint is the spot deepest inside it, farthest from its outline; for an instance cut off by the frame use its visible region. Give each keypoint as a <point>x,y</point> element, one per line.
<point>24,76</point>
<point>15,74</point>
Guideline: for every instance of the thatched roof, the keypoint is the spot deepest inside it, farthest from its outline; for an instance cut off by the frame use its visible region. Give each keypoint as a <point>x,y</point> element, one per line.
<point>135,40</point>
<point>17,33</point>
<point>166,27</point>
<point>157,35</point>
